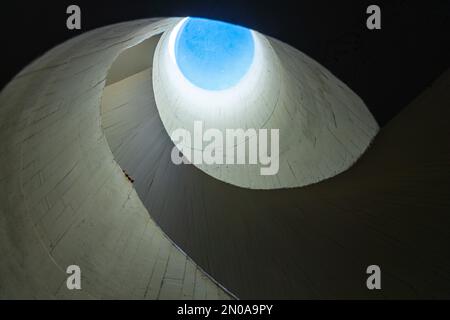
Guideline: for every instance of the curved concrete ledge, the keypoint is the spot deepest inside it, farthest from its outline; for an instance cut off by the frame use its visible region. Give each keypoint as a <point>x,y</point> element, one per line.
<point>64,200</point>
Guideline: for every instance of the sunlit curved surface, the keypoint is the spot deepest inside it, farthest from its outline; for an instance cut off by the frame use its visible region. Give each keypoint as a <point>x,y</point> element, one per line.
<point>323,126</point>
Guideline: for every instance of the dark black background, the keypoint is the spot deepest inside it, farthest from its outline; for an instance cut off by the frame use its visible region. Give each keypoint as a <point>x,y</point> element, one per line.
<point>387,67</point>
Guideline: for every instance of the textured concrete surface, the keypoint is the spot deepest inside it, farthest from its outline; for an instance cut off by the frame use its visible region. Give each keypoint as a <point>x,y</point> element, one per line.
<point>65,200</point>
<point>324,127</point>
<point>391,209</point>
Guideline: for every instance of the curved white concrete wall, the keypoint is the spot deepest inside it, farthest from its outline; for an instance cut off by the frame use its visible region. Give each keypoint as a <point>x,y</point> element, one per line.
<point>324,127</point>
<point>63,198</point>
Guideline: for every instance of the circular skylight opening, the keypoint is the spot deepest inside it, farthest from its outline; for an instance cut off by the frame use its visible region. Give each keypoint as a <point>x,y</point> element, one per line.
<point>213,55</point>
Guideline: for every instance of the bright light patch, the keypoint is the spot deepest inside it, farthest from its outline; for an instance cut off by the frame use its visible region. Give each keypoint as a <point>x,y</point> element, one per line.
<point>213,55</point>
